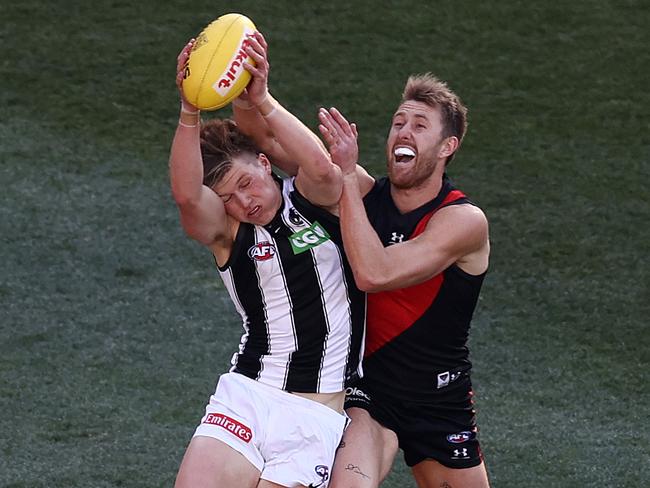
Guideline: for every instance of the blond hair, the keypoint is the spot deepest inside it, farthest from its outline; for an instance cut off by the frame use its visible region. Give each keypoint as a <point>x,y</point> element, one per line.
<point>428,89</point>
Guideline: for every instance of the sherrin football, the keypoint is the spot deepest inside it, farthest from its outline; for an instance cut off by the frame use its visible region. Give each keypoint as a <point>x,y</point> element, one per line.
<point>215,73</point>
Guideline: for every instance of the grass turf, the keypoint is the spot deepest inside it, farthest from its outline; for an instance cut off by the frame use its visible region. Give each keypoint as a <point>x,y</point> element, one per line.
<point>113,326</point>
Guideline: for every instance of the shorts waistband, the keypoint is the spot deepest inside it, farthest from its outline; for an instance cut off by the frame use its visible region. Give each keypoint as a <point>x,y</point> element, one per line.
<point>284,395</point>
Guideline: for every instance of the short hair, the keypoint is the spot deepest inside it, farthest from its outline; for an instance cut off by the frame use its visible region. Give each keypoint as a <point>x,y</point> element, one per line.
<point>221,141</point>
<point>428,89</point>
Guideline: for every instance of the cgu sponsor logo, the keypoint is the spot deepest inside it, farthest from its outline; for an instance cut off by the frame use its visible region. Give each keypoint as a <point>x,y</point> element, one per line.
<point>234,68</point>
<point>261,251</point>
<point>460,437</point>
<point>308,238</point>
<point>231,425</point>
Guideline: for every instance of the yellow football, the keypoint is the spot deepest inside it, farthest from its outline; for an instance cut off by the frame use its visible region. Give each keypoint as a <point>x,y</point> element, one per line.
<point>215,73</point>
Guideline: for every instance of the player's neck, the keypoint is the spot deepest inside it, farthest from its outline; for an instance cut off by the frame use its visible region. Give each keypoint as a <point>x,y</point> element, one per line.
<point>408,199</point>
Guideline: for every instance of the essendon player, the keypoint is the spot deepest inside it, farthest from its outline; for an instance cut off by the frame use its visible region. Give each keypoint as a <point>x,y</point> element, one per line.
<point>421,247</point>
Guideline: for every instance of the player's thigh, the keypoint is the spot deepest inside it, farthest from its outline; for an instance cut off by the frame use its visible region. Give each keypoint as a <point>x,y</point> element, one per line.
<point>432,474</point>
<point>366,454</point>
<point>208,463</point>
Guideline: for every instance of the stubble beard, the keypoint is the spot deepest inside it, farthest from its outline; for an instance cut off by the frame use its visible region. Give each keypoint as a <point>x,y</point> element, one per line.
<point>414,178</point>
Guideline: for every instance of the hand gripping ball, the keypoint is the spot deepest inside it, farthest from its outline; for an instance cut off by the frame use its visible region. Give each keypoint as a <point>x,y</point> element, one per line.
<point>215,73</point>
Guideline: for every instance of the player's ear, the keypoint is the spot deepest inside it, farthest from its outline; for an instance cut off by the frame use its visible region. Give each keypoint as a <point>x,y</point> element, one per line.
<point>265,162</point>
<point>448,147</point>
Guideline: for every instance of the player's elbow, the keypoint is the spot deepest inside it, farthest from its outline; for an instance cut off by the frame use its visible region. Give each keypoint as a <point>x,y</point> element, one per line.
<point>182,200</point>
<point>188,210</point>
<point>196,232</point>
<point>186,199</point>
<point>369,281</point>
<point>323,189</point>
<point>323,171</point>
<point>329,195</point>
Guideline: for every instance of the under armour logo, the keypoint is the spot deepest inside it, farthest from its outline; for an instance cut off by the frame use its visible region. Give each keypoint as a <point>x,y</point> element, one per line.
<point>460,453</point>
<point>396,238</point>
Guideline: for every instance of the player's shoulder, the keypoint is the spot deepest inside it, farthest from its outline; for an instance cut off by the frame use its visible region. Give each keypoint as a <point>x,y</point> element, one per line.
<point>463,213</point>
<point>373,189</point>
<point>366,181</point>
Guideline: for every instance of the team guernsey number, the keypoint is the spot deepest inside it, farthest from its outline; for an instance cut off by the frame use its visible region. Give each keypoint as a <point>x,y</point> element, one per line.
<point>308,238</point>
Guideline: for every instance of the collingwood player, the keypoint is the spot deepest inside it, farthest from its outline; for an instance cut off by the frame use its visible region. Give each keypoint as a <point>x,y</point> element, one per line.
<point>276,418</point>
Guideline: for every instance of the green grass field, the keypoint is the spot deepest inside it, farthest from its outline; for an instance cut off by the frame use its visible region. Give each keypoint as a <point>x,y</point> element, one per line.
<point>114,326</point>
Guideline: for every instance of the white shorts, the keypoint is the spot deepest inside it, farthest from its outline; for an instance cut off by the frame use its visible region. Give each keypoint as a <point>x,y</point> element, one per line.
<point>291,440</point>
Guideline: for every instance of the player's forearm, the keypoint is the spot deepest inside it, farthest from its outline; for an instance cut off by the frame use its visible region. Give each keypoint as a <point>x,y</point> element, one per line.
<point>185,162</point>
<point>299,143</point>
<point>363,248</point>
<point>250,122</point>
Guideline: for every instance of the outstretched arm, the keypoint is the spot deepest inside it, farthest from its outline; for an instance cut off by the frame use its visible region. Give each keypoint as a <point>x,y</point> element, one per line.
<point>249,119</point>
<point>202,212</point>
<point>290,144</point>
<point>341,138</point>
<point>454,234</point>
<point>251,122</point>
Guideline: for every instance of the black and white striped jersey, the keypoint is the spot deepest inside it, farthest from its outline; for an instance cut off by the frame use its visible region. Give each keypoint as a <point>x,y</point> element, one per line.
<point>303,316</point>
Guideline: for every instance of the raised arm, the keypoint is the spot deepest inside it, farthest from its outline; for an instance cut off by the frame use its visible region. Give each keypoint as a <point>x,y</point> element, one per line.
<point>202,212</point>
<point>341,138</point>
<point>251,122</point>
<point>287,141</point>
<point>456,234</point>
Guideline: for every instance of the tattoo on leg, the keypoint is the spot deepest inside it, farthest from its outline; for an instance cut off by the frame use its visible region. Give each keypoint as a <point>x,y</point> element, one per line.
<point>445,485</point>
<point>341,445</point>
<point>357,470</point>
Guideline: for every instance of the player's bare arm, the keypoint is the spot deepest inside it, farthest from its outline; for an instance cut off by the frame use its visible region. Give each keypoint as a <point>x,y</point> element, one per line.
<point>289,143</point>
<point>456,234</point>
<point>246,107</point>
<point>341,138</point>
<point>201,210</point>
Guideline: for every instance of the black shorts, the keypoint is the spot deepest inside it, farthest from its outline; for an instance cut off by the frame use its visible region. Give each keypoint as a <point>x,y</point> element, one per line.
<point>444,430</point>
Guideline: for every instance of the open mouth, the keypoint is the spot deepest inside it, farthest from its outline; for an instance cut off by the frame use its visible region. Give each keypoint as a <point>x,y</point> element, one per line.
<point>255,211</point>
<point>404,154</point>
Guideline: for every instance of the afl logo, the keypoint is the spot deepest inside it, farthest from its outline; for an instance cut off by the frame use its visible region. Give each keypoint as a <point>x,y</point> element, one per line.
<point>460,437</point>
<point>261,251</point>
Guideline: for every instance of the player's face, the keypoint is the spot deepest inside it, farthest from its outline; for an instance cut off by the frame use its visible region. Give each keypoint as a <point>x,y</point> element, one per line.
<point>249,192</point>
<point>414,144</point>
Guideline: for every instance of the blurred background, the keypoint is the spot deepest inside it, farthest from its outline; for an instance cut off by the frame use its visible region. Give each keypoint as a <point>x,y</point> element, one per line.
<point>114,326</point>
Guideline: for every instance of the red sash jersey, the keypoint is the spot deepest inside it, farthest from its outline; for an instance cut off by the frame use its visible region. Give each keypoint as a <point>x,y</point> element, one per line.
<point>416,337</point>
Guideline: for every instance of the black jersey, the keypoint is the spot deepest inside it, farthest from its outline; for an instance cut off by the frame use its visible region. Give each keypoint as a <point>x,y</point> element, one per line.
<point>417,336</point>
<point>302,314</point>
